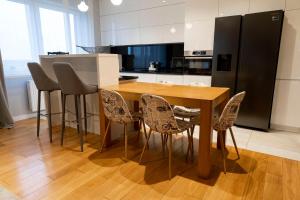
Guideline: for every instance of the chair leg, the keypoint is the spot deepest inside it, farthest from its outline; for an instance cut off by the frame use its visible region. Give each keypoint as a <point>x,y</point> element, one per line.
<point>170,156</point>
<point>189,146</point>
<point>223,153</point>
<point>63,126</point>
<point>76,112</point>
<point>38,113</point>
<point>145,146</point>
<point>85,118</point>
<point>233,139</point>
<point>79,122</point>
<point>101,147</point>
<point>49,116</point>
<point>192,140</point>
<point>145,132</point>
<point>139,132</point>
<point>163,143</point>
<point>126,140</point>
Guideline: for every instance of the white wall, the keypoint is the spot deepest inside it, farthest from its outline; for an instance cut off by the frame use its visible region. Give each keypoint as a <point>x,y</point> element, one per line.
<point>144,21</point>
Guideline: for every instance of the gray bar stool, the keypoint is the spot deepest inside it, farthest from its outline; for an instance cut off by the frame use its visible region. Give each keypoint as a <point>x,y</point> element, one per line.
<point>43,83</point>
<point>71,84</point>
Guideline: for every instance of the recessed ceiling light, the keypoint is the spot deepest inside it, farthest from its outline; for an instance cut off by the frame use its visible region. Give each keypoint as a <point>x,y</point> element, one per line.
<point>116,2</point>
<point>188,25</point>
<point>164,1</point>
<point>173,30</point>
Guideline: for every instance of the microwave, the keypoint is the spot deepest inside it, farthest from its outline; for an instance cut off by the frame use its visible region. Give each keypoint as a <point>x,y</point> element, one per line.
<point>198,62</point>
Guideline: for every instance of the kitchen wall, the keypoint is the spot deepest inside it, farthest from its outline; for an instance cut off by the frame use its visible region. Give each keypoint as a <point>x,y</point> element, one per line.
<point>144,21</point>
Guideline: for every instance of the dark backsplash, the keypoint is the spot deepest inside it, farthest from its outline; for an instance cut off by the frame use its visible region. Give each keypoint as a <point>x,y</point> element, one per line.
<point>138,57</point>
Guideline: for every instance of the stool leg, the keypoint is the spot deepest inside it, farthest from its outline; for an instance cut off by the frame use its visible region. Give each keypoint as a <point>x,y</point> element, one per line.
<point>63,126</point>
<point>79,122</point>
<point>76,112</point>
<point>38,113</point>
<point>85,118</point>
<point>49,116</point>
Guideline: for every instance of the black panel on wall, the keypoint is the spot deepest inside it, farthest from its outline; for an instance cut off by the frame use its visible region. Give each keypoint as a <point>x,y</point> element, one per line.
<point>226,51</point>
<point>138,57</point>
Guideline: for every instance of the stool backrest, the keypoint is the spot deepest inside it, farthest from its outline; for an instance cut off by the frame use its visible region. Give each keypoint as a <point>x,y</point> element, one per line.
<point>231,110</point>
<point>115,107</point>
<point>158,114</point>
<point>67,79</point>
<point>40,78</point>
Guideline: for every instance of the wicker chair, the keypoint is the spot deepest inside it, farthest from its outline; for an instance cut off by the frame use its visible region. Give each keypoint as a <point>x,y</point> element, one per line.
<point>226,121</point>
<point>159,116</point>
<point>116,110</point>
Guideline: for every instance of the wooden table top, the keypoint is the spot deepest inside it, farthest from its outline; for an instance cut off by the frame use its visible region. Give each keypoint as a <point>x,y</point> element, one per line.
<point>171,90</point>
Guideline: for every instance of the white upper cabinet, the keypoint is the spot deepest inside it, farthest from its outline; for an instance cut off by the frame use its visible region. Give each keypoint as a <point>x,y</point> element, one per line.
<point>107,8</point>
<point>128,36</point>
<point>233,7</point>
<point>292,4</point>
<point>199,35</point>
<point>151,35</point>
<point>108,38</point>
<point>289,59</point>
<point>162,15</point>
<point>158,3</point>
<point>201,10</point>
<point>266,5</point>
<point>173,33</point>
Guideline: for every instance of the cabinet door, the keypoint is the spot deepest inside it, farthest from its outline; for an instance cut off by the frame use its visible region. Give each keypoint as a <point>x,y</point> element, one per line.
<point>108,38</point>
<point>197,80</point>
<point>199,35</point>
<point>196,10</point>
<point>170,79</point>
<point>128,36</point>
<point>266,5</point>
<point>233,7</point>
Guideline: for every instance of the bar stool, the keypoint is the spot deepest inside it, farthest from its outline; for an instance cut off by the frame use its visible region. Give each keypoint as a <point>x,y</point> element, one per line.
<point>43,83</point>
<point>71,84</point>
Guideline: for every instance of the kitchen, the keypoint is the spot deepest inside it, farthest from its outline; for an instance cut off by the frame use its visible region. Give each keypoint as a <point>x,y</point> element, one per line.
<point>180,45</point>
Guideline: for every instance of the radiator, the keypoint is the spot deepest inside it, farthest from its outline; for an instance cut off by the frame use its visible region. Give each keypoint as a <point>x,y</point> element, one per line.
<point>33,97</point>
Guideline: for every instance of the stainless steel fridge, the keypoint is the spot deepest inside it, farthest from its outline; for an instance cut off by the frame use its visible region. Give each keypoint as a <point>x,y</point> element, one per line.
<point>246,51</point>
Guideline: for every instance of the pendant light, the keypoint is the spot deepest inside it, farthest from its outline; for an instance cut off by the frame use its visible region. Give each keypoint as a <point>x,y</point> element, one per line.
<point>82,6</point>
<point>116,2</point>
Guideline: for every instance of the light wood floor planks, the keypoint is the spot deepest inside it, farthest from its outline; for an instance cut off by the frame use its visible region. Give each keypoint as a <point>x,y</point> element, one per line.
<point>33,168</point>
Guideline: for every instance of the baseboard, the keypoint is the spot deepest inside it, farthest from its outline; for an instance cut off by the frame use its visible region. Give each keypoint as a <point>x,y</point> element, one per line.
<point>285,128</point>
<point>22,117</point>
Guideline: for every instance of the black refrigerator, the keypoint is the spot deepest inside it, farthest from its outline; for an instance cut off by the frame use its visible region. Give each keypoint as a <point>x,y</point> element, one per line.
<point>246,51</point>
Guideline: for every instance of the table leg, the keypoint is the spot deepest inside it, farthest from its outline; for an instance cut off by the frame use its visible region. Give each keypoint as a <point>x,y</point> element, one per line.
<point>204,152</point>
<point>103,123</point>
<point>222,133</point>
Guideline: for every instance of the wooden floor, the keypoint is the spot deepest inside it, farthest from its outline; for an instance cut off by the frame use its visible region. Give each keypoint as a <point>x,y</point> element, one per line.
<point>32,168</point>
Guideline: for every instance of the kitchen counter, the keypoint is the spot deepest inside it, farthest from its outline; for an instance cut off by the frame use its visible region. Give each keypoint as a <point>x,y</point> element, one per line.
<point>167,72</point>
<point>128,78</point>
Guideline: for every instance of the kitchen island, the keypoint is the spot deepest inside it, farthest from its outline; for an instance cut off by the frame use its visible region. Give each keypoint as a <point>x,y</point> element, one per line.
<point>94,69</point>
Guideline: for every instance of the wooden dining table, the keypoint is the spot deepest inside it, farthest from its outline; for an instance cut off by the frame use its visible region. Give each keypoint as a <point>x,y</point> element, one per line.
<point>204,98</point>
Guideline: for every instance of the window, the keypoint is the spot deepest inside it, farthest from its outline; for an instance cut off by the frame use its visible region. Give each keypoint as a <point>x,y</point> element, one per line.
<point>53,30</point>
<point>14,37</point>
<point>31,28</point>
